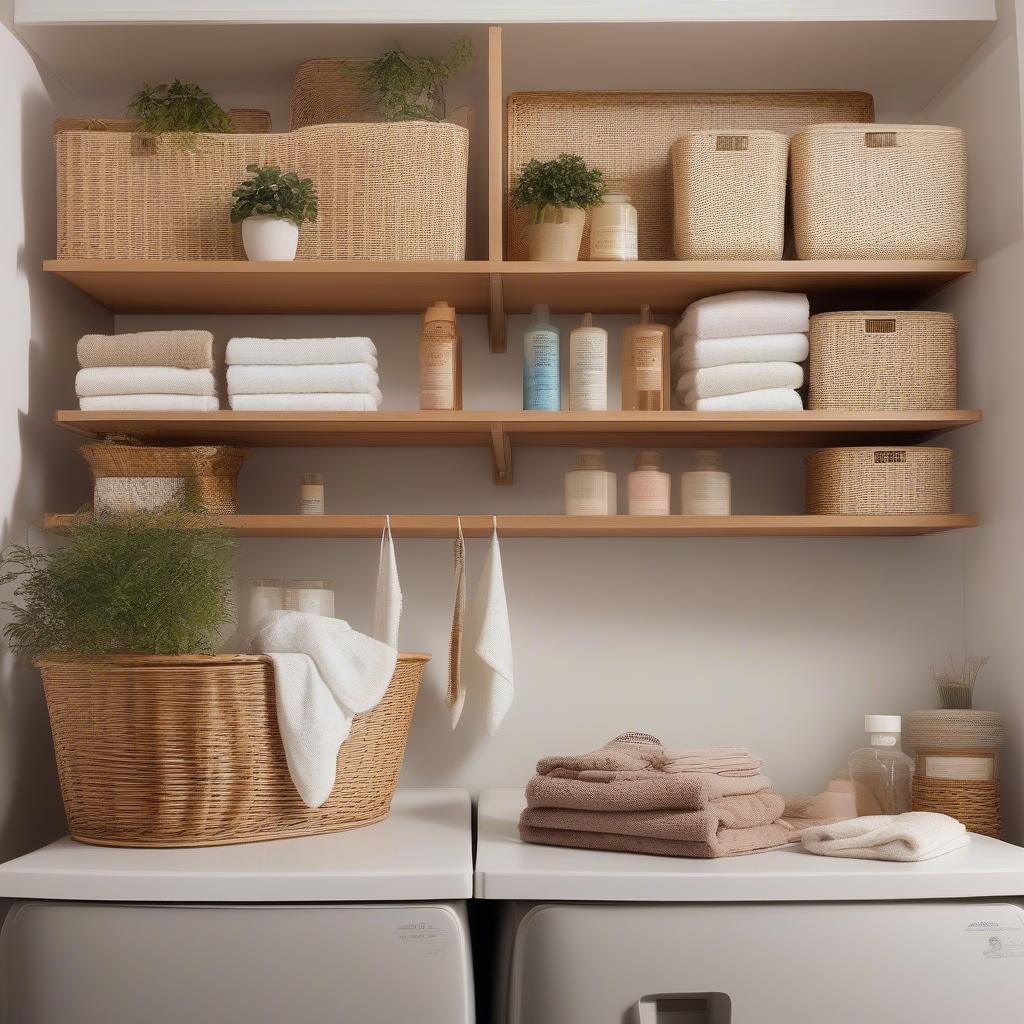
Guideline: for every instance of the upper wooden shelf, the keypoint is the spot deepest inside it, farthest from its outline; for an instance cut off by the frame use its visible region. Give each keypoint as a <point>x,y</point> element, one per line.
<point>487,286</point>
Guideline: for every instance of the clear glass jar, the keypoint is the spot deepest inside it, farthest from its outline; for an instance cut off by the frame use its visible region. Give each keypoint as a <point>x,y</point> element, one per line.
<point>313,596</point>
<point>613,229</point>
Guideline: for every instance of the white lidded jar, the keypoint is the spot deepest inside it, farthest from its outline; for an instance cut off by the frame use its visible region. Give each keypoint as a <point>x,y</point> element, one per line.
<point>613,229</point>
<point>264,596</point>
<point>588,367</point>
<point>882,775</point>
<point>650,487</point>
<point>706,490</point>
<point>311,495</point>
<point>313,596</point>
<point>590,489</point>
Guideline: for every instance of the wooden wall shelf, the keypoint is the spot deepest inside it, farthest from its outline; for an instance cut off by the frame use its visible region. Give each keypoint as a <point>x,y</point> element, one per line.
<point>444,526</point>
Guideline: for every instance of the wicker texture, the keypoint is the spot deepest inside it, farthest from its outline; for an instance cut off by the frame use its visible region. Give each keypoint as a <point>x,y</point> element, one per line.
<point>629,135</point>
<point>891,192</point>
<point>211,473</point>
<point>880,481</point>
<point>243,122</point>
<point>953,729</point>
<point>882,360</point>
<point>387,192</point>
<point>729,194</point>
<point>165,752</point>
<point>974,802</point>
<point>323,93</point>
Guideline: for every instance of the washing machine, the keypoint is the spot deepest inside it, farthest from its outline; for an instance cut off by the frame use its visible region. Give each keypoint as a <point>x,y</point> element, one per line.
<point>367,925</point>
<point>782,937</point>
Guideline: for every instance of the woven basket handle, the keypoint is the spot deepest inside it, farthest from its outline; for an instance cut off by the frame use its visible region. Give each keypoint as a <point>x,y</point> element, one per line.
<point>889,456</point>
<point>880,140</point>
<point>732,143</point>
<point>880,325</point>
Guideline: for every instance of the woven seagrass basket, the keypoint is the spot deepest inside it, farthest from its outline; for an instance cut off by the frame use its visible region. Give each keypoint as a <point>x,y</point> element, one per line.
<point>880,481</point>
<point>130,478</point>
<point>884,191</point>
<point>185,751</point>
<point>729,191</point>
<point>882,360</point>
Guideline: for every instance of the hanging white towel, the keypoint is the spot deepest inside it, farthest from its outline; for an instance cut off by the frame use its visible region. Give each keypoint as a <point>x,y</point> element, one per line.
<point>740,314</point>
<point>700,353</point>
<point>488,669</point>
<point>325,673</point>
<point>299,351</point>
<point>914,836</point>
<point>387,602</point>
<point>737,378</point>
<point>456,695</point>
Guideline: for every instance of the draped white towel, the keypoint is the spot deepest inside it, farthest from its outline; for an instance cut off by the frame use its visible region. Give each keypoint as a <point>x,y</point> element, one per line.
<point>144,380</point>
<point>387,604</point>
<point>700,353</point>
<point>735,378</point>
<point>741,314</point>
<point>299,351</point>
<point>325,402</point>
<point>325,673</point>
<point>766,400</point>
<point>345,378</point>
<point>156,403</point>
<point>914,836</point>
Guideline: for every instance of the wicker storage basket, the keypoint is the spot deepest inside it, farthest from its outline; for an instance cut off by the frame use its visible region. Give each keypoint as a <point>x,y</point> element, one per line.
<point>185,751</point>
<point>322,93</point>
<point>629,135</point>
<point>886,192</point>
<point>880,481</point>
<point>243,122</point>
<point>882,360</point>
<point>387,192</point>
<point>729,195</point>
<point>137,477</point>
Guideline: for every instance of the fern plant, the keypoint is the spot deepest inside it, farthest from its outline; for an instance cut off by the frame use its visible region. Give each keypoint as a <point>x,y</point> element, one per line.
<point>273,193</point>
<point>137,583</point>
<point>408,88</point>
<point>181,108</point>
<point>564,181</point>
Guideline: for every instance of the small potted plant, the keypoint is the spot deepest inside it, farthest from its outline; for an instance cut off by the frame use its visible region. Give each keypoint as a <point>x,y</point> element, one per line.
<point>558,194</point>
<point>271,206</point>
<point>182,109</point>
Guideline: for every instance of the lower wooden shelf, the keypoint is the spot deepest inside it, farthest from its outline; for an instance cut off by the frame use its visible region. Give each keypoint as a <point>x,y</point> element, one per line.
<point>444,526</point>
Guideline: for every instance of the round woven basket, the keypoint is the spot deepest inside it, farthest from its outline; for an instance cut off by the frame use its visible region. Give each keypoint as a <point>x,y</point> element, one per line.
<point>903,360</point>
<point>209,475</point>
<point>185,751</point>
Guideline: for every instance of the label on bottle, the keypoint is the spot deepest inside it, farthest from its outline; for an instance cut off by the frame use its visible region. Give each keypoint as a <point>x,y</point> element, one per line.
<point>437,367</point>
<point>649,491</point>
<point>705,493</point>
<point>644,370</point>
<point>589,492</point>
<point>542,385</point>
<point>588,370</point>
<point>311,500</point>
<point>613,243</point>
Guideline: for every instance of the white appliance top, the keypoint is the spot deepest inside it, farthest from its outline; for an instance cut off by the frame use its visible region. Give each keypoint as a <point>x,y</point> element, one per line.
<point>509,869</point>
<point>423,851</point>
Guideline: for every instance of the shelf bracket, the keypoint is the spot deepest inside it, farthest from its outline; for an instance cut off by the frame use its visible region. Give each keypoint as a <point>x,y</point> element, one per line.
<point>502,445</point>
<point>496,318</point>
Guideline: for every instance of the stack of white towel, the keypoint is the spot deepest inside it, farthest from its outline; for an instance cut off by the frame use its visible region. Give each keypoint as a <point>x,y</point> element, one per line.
<point>329,374</point>
<point>742,351</point>
<point>157,370</point>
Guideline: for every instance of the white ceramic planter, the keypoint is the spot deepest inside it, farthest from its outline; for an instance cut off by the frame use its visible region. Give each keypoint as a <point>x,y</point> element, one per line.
<point>269,239</point>
<point>557,238</point>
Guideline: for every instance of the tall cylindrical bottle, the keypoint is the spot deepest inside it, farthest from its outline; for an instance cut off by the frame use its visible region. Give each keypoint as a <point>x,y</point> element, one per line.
<point>440,359</point>
<point>645,362</point>
<point>588,366</point>
<point>650,487</point>
<point>542,382</point>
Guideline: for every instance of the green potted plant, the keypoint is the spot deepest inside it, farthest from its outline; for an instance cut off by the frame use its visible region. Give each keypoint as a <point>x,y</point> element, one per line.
<point>558,194</point>
<point>181,108</point>
<point>271,206</point>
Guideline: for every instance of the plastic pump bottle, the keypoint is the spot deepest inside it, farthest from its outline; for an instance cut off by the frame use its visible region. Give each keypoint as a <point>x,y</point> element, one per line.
<point>882,775</point>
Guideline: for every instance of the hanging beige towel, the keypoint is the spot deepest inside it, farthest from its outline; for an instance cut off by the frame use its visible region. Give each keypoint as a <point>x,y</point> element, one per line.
<point>387,603</point>
<point>456,693</point>
<point>189,350</point>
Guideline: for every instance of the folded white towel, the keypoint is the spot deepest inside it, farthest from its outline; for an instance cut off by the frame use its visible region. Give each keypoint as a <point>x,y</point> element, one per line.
<point>143,380</point>
<point>766,400</point>
<point>324,402</point>
<point>325,378</point>
<point>325,673</point>
<point>700,353</point>
<point>155,403</point>
<point>299,351</point>
<point>741,314</point>
<point>736,378</point>
<point>916,835</point>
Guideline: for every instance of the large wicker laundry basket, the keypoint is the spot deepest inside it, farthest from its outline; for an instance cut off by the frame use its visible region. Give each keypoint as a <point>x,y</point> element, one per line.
<point>185,751</point>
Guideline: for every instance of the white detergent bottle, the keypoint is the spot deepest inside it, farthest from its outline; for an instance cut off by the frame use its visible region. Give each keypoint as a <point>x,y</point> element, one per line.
<point>882,775</point>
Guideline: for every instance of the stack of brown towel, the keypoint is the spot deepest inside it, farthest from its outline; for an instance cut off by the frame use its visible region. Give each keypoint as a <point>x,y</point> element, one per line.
<point>633,796</point>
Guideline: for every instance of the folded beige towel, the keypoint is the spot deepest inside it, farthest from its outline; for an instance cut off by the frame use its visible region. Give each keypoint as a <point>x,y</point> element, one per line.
<point>189,350</point>
<point>144,380</point>
<point>739,378</point>
<point>914,836</point>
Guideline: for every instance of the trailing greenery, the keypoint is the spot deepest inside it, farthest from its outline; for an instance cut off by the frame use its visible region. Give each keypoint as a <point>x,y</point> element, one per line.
<point>135,583</point>
<point>564,181</point>
<point>181,108</point>
<point>275,194</point>
<point>408,88</point>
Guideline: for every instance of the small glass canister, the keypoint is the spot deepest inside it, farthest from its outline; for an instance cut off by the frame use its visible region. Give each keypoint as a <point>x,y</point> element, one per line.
<point>316,597</point>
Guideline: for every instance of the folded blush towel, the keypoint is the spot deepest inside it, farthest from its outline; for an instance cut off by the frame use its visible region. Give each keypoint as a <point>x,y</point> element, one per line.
<point>324,402</point>
<point>741,314</point>
<point>144,380</point>
<point>325,378</point>
<point>299,351</point>
<point>765,400</point>
<point>914,836</point>
<point>189,350</point>
<point>738,378</point>
<point>700,353</point>
<point>152,403</point>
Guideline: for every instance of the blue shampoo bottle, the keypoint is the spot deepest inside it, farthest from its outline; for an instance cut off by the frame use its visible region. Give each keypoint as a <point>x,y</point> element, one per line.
<point>542,382</point>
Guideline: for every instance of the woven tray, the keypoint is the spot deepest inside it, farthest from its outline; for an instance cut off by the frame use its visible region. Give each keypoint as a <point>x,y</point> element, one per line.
<point>628,135</point>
